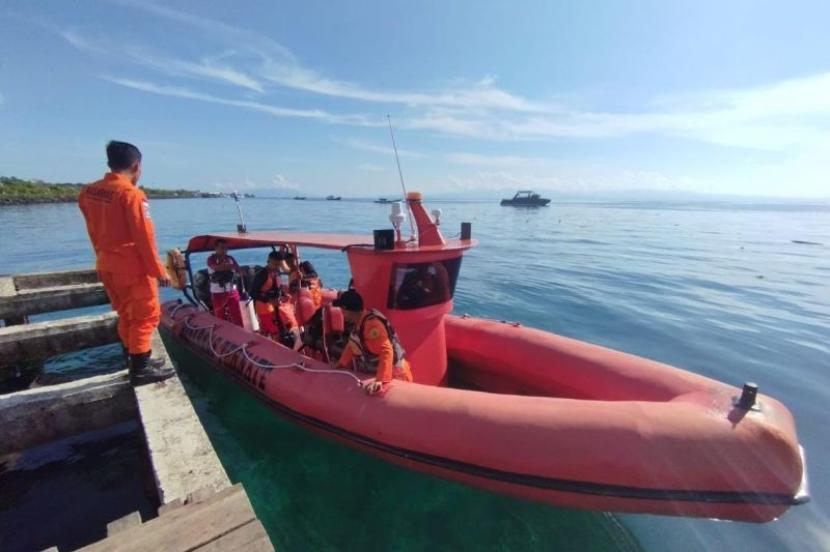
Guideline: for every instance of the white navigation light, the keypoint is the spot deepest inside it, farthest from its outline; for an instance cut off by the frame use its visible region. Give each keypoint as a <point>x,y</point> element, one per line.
<point>436,216</point>
<point>397,217</point>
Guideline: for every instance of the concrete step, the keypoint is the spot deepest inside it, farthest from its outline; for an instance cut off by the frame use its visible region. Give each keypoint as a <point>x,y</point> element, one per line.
<point>41,340</point>
<point>57,278</point>
<point>45,414</point>
<point>49,299</point>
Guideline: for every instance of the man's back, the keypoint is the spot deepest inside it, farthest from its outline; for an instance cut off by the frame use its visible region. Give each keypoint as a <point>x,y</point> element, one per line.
<point>119,226</point>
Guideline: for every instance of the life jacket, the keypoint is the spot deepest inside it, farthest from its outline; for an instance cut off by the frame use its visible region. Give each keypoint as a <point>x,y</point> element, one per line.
<point>316,287</point>
<point>176,268</point>
<point>366,360</point>
<point>272,287</point>
<point>221,281</point>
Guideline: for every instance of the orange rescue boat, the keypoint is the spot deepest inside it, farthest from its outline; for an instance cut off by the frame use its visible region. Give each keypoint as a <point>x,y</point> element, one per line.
<point>507,408</point>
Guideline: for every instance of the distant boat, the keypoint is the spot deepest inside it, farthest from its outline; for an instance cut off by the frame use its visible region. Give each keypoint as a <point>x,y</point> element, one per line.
<point>299,197</point>
<point>333,198</point>
<point>526,198</point>
<point>384,200</point>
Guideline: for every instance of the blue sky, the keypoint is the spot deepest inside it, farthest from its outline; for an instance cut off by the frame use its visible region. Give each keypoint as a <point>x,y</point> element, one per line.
<point>587,97</point>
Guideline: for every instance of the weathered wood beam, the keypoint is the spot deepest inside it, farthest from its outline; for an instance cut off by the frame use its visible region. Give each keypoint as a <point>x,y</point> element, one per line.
<point>35,301</point>
<point>41,340</point>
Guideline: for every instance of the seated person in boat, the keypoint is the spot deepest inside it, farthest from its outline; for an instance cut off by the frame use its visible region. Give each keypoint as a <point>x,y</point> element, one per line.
<point>222,269</point>
<point>373,347</point>
<point>273,305</point>
<point>324,337</point>
<point>311,280</point>
<point>426,282</point>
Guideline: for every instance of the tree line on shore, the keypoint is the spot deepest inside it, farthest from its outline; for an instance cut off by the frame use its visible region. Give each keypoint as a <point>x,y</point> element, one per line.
<point>17,191</point>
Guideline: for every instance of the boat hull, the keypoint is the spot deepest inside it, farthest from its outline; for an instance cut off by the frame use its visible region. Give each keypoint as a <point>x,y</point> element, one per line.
<point>672,445</point>
<point>520,203</point>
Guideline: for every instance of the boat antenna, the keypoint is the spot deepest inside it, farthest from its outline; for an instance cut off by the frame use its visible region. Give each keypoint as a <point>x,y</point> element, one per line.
<point>241,228</point>
<point>400,174</point>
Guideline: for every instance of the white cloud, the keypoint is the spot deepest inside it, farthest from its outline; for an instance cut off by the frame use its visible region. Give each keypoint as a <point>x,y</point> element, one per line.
<point>790,118</point>
<point>276,111</point>
<point>206,68</point>
<point>788,115</point>
<point>79,42</point>
<point>373,147</point>
<point>370,167</point>
<point>280,182</point>
<point>270,61</point>
<point>572,179</point>
<point>479,160</point>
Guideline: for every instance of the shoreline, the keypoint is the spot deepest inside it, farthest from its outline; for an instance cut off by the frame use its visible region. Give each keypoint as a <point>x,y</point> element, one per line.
<point>18,191</point>
<point>15,202</point>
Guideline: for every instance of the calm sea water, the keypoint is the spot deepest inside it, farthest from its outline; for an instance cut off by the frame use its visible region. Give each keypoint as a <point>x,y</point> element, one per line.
<point>719,289</point>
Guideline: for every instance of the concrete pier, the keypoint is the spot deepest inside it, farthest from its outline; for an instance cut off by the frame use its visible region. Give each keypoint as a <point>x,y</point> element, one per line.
<point>182,457</point>
<point>199,507</point>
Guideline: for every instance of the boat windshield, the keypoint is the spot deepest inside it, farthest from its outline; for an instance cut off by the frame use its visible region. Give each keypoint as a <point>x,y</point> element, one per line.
<point>417,285</point>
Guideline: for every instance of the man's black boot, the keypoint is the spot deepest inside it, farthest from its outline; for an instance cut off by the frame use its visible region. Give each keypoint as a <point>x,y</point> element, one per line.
<point>126,354</point>
<point>144,369</point>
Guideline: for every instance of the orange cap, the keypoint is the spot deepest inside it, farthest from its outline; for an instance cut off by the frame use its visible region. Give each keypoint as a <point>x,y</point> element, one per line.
<point>414,196</point>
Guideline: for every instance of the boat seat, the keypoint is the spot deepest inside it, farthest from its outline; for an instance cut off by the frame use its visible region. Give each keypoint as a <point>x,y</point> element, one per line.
<point>201,286</point>
<point>246,279</point>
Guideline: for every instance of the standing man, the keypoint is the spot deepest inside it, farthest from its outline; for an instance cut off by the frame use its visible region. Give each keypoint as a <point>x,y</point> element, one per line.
<point>119,226</point>
<point>225,297</point>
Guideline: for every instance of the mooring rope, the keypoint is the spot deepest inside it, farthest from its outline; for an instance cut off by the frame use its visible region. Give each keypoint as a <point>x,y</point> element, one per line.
<point>244,348</point>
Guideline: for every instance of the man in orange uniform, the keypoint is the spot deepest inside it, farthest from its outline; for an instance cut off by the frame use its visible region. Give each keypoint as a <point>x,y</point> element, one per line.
<point>122,234</point>
<point>272,303</point>
<point>373,346</point>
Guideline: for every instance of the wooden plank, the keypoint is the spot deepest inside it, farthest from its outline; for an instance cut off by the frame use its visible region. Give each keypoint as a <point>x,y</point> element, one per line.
<point>172,505</point>
<point>251,537</point>
<point>186,528</point>
<point>200,495</point>
<point>121,524</point>
<point>52,299</point>
<point>55,278</point>
<point>36,416</point>
<point>41,340</point>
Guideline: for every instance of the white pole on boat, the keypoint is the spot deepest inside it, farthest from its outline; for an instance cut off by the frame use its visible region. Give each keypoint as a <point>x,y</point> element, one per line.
<point>241,228</point>
<point>400,174</point>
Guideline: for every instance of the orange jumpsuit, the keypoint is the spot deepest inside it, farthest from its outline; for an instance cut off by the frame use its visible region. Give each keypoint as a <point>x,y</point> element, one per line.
<point>375,340</point>
<point>122,234</point>
<point>284,307</point>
